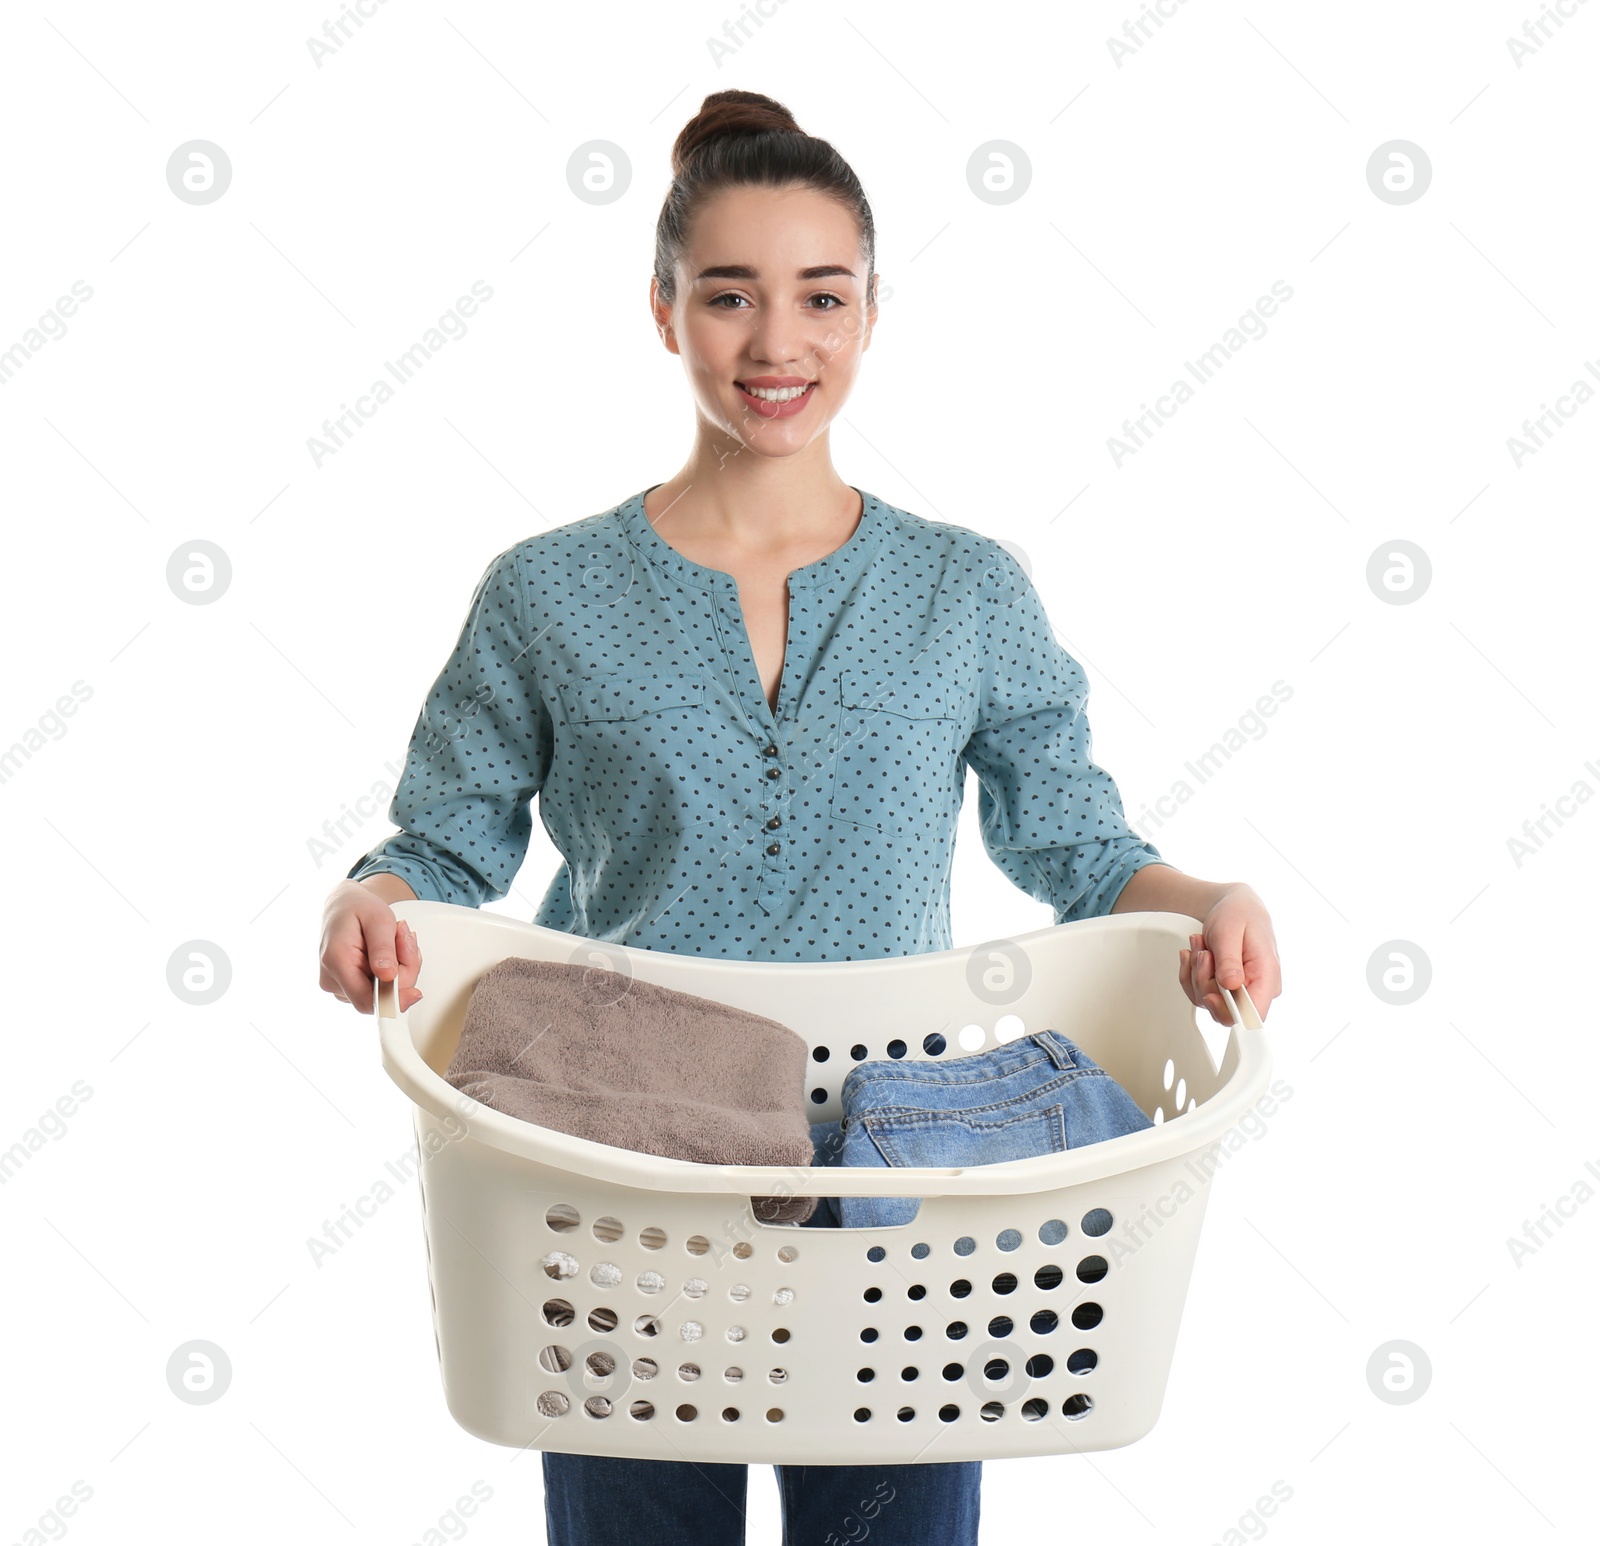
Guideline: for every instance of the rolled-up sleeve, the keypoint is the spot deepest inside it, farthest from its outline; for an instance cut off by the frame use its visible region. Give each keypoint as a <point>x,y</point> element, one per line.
<point>1051,820</point>
<point>477,757</point>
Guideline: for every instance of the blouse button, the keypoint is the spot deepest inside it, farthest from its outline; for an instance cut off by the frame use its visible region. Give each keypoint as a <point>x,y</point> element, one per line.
<point>774,772</point>
<point>773,848</point>
<point>769,751</point>
<point>774,824</point>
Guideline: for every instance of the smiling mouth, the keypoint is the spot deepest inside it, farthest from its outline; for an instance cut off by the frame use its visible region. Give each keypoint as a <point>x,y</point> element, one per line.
<point>776,395</point>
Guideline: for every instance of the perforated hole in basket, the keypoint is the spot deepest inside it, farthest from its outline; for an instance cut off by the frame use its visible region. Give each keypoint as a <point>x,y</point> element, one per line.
<point>1182,1100</point>
<point>555,1359</point>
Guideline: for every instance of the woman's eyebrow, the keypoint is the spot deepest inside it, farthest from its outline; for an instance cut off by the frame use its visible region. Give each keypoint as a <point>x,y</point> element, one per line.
<point>744,271</point>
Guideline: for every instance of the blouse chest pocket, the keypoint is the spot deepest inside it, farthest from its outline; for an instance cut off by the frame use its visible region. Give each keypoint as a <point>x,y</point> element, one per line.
<point>624,695</point>
<point>631,736</point>
<point>896,750</point>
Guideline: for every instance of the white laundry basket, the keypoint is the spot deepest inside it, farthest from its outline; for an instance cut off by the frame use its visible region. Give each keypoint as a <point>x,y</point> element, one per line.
<point>597,1300</point>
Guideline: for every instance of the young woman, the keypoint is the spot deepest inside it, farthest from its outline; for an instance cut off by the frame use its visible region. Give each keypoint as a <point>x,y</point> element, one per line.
<point>746,699</point>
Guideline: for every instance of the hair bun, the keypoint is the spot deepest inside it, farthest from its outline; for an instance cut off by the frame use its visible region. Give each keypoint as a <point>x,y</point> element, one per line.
<point>726,114</point>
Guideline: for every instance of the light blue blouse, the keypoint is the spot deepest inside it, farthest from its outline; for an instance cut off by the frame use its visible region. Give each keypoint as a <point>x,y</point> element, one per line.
<point>605,673</point>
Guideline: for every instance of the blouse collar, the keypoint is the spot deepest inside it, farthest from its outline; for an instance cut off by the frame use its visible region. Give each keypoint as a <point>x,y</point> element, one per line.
<point>843,564</point>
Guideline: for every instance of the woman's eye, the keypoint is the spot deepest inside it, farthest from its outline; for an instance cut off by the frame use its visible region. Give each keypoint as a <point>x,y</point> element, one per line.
<point>834,298</point>
<point>717,300</point>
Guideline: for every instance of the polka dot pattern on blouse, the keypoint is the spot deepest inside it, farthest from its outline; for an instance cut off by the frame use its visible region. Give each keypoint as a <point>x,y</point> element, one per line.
<point>610,677</point>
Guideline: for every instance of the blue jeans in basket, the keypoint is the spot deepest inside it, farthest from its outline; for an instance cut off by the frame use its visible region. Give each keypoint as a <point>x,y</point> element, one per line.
<point>1039,1094</point>
<point>595,1500</point>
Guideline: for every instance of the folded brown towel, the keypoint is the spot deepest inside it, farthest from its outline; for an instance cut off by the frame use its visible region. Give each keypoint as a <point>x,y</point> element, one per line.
<point>629,1063</point>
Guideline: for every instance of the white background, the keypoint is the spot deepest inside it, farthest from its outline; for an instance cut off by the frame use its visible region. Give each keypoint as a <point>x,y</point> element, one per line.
<point>1420,733</point>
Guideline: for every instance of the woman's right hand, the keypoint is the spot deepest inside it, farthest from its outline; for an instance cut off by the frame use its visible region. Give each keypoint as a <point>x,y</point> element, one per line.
<point>362,939</point>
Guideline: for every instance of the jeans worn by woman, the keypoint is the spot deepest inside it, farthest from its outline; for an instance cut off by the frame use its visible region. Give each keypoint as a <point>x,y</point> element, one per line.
<point>595,1500</point>
<point>1038,1094</point>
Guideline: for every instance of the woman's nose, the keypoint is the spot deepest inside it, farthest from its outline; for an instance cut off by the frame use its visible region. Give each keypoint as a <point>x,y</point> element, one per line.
<point>776,345</point>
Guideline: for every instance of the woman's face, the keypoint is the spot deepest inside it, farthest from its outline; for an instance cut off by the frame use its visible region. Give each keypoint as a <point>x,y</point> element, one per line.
<point>771,294</point>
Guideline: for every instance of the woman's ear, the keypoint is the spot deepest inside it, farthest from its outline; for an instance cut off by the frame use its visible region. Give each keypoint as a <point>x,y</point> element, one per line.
<point>663,317</point>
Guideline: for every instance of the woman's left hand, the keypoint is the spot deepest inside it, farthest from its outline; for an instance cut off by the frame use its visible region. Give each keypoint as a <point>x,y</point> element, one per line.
<point>1236,950</point>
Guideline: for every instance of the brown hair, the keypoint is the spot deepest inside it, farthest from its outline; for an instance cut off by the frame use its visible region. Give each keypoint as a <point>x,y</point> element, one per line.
<point>742,138</point>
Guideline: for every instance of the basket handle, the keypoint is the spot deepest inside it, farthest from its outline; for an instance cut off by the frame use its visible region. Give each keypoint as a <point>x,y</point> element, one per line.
<point>1243,1008</point>
<point>386,998</point>
<point>386,995</point>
